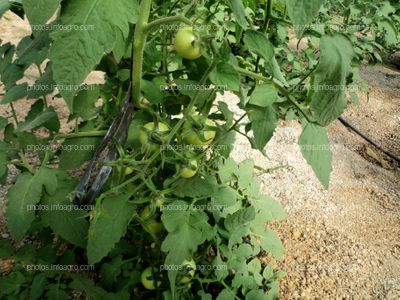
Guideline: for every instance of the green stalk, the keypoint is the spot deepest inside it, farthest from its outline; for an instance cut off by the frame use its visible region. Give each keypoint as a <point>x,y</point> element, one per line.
<point>278,84</point>
<point>166,20</point>
<point>139,41</point>
<point>14,113</point>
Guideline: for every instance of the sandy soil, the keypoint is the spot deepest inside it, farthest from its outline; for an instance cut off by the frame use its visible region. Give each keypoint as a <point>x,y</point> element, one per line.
<point>343,243</point>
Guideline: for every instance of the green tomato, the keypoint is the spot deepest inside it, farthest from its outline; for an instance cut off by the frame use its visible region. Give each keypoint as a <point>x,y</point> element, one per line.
<point>189,269</point>
<point>128,171</point>
<point>193,137</point>
<point>154,228</point>
<point>144,134</point>
<point>187,44</point>
<point>148,280</point>
<point>145,213</point>
<point>189,170</point>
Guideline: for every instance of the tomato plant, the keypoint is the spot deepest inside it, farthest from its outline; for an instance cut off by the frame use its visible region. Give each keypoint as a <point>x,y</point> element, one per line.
<point>143,184</point>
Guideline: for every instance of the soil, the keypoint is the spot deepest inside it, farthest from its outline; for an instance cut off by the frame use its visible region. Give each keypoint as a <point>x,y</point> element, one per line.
<point>341,243</point>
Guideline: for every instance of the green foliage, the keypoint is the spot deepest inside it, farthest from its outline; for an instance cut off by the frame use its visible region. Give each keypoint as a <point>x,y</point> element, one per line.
<point>145,215</point>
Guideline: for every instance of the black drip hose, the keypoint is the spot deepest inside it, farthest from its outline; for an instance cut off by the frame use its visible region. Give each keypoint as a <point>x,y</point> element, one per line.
<point>348,125</point>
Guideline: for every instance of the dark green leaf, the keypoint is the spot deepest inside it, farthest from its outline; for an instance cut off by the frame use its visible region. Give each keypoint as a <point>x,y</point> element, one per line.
<point>314,145</point>
<point>329,79</point>
<point>239,11</point>
<point>75,53</point>
<point>263,124</point>
<point>258,43</point>
<point>225,77</point>
<point>63,218</point>
<point>109,224</point>
<point>264,95</point>
<point>302,13</point>
<point>17,92</point>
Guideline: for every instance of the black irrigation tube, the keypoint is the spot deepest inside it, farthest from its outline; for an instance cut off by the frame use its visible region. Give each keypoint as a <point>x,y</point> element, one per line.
<point>348,125</point>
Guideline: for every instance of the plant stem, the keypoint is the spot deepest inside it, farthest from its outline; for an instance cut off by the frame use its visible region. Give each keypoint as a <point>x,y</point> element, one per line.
<point>80,134</point>
<point>139,42</point>
<point>14,113</point>
<point>44,97</point>
<point>166,20</point>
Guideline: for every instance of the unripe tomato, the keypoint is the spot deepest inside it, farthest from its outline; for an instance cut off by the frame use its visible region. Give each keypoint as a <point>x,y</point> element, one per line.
<point>148,280</point>
<point>145,213</point>
<point>189,170</point>
<point>193,137</point>
<point>189,270</point>
<point>128,171</point>
<point>187,44</point>
<point>154,228</point>
<point>144,134</point>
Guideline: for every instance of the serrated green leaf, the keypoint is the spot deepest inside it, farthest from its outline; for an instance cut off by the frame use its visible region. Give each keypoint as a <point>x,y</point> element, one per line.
<point>239,11</point>
<point>255,295</point>
<point>17,92</point>
<point>263,123</point>
<point>76,151</point>
<point>268,240</point>
<point>11,283</point>
<point>39,12</point>
<point>225,196</point>
<point>268,209</point>
<point>87,286</point>
<point>226,294</point>
<point>75,53</point>
<point>44,85</point>
<point>239,218</point>
<point>225,76</point>
<point>187,229</point>
<point>6,249</point>
<point>84,102</point>
<point>38,286</point>
<point>110,271</point>
<point>228,170</point>
<point>4,6</point>
<point>26,193</point>
<point>109,224</point>
<point>302,13</point>
<point>329,79</point>
<point>314,145</point>
<point>41,119</point>
<point>259,44</point>
<point>199,187</point>
<point>264,95</point>
<point>62,217</point>
<point>56,292</point>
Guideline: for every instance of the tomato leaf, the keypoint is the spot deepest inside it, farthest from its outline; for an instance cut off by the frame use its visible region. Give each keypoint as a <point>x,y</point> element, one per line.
<point>302,13</point>
<point>39,12</point>
<point>329,79</point>
<point>238,10</point>
<point>27,192</point>
<point>259,44</point>
<point>187,228</point>
<point>225,76</point>
<point>314,145</point>
<point>75,53</point>
<point>263,123</point>
<point>17,92</point>
<point>111,218</point>
<point>264,95</point>
<point>68,222</point>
